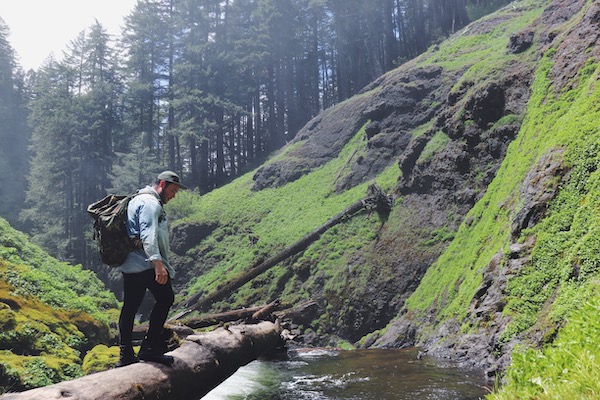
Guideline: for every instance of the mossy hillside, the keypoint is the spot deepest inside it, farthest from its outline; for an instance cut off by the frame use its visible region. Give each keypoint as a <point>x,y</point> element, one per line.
<point>482,54</point>
<point>47,318</point>
<point>564,259</point>
<point>481,49</point>
<point>567,121</point>
<point>275,218</point>
<point>39,344</point>
<point>561,282</point>
<point>567,369</point>
<point>56,283</point>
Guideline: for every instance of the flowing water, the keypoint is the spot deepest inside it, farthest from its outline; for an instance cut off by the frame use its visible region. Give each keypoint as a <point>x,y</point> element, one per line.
<point>355,375</point>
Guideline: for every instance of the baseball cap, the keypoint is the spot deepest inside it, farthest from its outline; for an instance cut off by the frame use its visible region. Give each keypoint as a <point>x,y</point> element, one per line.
<point>171,177</point>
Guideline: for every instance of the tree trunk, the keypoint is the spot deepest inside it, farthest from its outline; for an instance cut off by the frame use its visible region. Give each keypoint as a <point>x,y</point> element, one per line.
<point>202,362</point>
<point>255,313</point>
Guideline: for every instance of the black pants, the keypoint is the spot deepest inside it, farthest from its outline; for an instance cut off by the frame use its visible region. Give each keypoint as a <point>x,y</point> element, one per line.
<point>134,289</point>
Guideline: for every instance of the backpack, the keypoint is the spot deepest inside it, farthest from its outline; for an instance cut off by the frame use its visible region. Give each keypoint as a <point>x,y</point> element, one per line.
<point>110,228</point>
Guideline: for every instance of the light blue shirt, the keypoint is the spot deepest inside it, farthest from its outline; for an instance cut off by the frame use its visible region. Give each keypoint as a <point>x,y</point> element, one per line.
<point>147,220</point>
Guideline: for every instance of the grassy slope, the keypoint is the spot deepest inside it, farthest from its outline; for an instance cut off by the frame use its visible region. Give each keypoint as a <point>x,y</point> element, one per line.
<point>548,290</point>
<point>560,286</point>
<point>277,217</point>
<point>545,293</point>
<point>50,313</point>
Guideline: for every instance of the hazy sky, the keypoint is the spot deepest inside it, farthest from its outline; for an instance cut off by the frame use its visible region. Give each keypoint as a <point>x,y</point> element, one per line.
<point>41,27</point>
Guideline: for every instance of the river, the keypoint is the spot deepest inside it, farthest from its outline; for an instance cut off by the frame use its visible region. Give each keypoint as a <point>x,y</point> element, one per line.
<point>352,375</point>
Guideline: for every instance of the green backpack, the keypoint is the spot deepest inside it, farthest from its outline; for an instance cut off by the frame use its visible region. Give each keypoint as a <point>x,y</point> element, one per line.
<point>110,228</point>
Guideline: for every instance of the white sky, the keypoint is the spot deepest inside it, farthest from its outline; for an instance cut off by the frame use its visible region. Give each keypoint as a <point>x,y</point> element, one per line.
<point>41,27</point>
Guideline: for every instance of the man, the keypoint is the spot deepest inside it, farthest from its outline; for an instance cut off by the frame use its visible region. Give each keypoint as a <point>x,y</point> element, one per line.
<point>148,268</point>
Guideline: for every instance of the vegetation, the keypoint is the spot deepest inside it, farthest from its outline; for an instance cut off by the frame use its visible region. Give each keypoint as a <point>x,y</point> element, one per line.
<point>567,369</point>
<point>557,286</point>
<point>101,358</point>
<point>51,313</point>
<point>275,218</point>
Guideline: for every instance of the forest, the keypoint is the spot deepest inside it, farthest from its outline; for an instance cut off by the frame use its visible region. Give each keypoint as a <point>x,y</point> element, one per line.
<point>207,88</point>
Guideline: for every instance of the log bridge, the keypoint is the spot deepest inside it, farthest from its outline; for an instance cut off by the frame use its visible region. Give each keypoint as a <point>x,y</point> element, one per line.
<point>202,362</point>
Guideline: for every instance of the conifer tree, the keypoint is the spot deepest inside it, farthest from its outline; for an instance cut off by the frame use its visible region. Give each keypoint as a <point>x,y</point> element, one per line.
<point>14,132</point>
<point>75,118</point>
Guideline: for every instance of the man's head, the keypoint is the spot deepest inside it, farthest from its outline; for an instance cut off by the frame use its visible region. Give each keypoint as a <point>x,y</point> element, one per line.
<point>167,185</point>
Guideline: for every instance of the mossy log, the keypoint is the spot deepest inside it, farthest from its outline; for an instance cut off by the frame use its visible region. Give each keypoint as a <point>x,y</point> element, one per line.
<point>202,362</point>
<point>376,200</point>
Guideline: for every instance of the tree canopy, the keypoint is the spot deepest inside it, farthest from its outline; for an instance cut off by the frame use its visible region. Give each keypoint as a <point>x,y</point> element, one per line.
<point>207,88</point>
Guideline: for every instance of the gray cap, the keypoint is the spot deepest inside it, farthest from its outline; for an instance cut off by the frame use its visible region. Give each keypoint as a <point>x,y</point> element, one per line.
<point>171,177</point>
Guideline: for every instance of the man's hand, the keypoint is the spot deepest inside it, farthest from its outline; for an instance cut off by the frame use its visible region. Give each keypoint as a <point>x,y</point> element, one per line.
<point>160,271</point>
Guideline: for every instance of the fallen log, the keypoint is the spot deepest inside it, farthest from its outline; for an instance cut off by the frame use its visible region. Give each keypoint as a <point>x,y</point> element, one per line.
<point>243,313</point>
<point>376,200</point>
<point>302,311</point>
<point>202,362</point>
<point>266,310</point>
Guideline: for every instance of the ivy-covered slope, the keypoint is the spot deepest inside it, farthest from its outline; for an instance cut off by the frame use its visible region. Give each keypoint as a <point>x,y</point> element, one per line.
<point>51,313</point>
<point>487,142</point>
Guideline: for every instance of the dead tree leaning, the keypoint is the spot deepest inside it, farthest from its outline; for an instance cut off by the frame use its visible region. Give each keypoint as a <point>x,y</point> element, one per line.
<point>376,200</point>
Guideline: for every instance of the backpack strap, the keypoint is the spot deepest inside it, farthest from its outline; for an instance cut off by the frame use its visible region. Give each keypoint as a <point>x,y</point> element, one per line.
<point>151,192</point>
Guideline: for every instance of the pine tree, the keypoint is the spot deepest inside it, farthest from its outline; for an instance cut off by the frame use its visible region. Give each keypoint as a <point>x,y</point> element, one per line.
<point>14,133</point>
<point>75,118</point>
<point>146,41</point>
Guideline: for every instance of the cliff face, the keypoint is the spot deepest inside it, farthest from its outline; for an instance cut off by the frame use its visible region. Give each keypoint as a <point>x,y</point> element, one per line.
<point>445,125</point>
<point>517,295</point>
<point>435,132</point>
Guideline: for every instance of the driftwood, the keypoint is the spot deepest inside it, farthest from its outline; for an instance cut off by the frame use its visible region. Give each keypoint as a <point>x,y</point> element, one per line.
<point>255,313</point>
<point>376,200</point>
<point>299,312</point>
<point>266,310</point>
<point>202,362</point>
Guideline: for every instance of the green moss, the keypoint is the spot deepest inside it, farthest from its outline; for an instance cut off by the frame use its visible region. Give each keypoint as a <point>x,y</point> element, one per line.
<point>510,119</point>
<point>50,313</point>
<point>568,368</point>
<point>421,130</point>
<point>100,358</point>
<point>7,317</point>
<point>436,144</point>
<point>23,372</point>
<point>344,345</point>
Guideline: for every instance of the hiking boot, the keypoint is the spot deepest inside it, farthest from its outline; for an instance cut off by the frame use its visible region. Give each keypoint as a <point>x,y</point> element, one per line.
<point>155,355</point>
<point>126,356</point>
